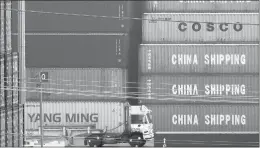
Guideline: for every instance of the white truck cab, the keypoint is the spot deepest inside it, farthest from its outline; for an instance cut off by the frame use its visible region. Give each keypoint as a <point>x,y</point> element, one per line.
<point>141,121</point>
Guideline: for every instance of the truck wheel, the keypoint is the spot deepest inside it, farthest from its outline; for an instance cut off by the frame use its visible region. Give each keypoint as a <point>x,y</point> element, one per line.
<point>95,141</point>
<point>136,140</point>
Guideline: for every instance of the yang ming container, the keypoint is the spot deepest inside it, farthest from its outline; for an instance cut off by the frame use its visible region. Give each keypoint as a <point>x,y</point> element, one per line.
<point>200,88</point>
<point>50,50</point>
<point>160,28</point>
<point>101,114</point>
<point>198,58</point>
<point>192,119</point>
<point>77,16</point>
<point>201,6</point>
<point>73,84</point>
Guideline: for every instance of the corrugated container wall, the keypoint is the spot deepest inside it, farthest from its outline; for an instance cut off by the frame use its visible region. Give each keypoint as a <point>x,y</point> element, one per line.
<point>102,114</point>
<point>201,6</point>
<point>160,28</point>
<point>73,84</point>
<point>205,88</point>
<point>80,16</point>
<point>76,51</point>
<point>205,118</point>
<point>198,58</point>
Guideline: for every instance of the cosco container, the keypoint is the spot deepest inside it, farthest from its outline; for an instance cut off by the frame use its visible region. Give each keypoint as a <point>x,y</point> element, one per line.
<point>72,84</point>
<point>201,6</point>
<point>236,119</point>
<point>200,88</point>
<point>76,16</point>
<point>50,50</point>
<point>198,58</point>
<point>200,28</point>
<point>102,114</point>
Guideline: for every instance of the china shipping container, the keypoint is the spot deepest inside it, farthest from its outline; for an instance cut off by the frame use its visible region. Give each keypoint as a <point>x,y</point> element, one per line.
<point>2,100</point>
<point>81,83</point>
<point>93,16</point>
<point>15,90</point>
<point>200,118</point>
<point>200,88</point>
<point>64,113</point>
<point>160,28</point>
<point>76,51</point>
<point>198,58</point>
<point>200,6</point>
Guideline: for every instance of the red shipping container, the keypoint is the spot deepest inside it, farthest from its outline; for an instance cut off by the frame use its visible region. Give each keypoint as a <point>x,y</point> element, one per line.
<point>198,58</point>
<point>181,119</point>
<point>200,88</point>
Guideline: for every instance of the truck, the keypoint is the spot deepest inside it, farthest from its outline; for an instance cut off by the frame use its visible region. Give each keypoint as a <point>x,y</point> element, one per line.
<point>138,128</point>
<point>111,122</point>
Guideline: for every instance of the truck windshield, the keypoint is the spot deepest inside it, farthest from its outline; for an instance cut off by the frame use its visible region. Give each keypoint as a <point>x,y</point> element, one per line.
<point>137,119</point>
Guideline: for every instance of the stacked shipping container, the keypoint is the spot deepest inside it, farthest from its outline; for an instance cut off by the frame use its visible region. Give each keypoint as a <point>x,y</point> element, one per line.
<point>198,65</point>
<point>83,53</point>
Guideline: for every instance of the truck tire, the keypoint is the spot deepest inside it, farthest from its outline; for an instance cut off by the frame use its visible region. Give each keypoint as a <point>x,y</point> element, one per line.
<point>136,140</point>
<point>94,141</point>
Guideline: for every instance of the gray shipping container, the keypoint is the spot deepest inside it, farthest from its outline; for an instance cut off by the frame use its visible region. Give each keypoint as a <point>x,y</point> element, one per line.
<point>80,16</point>
<point>201,6</point>
<point>206,119</point>
<point>201,28</point>
<point>200,88</point>
<point>198,58</point>
<point>102,114</point>
<point>73,84</point>
<point>50,50</point>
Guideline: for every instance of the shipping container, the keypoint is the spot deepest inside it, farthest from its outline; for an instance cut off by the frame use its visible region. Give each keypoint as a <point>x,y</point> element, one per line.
<point>198,58</point>
<point>64,113</point>
<point>73,84</point>
<point>184,6</point>
<point>2,93</point>
<point>80,16</point>
<point>76,51</point>
<point>205,118</point>
<point>200,88</point>
<point>200,28</point>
